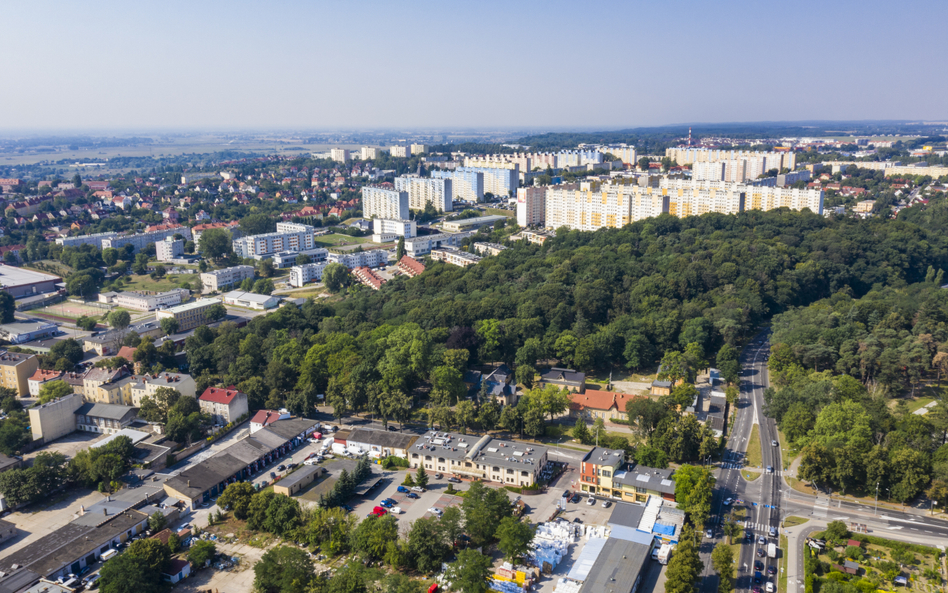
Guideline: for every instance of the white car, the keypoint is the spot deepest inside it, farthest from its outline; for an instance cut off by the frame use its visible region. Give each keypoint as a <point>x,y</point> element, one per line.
<point>435,511</point>
<point>770,587</point>
<point>590,501</point>
<point>396,510</point>
<point>728,501</point>
<point>417,489</point>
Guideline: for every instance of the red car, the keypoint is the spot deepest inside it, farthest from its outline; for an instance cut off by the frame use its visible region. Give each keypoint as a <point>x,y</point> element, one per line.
<point>379,511</point>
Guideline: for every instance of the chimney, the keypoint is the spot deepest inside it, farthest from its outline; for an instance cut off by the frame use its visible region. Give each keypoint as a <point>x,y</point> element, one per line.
<point>189,483</point>
<point>105,512</point>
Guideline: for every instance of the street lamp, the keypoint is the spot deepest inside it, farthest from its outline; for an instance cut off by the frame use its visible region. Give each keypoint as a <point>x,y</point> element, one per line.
<point>876,511</point>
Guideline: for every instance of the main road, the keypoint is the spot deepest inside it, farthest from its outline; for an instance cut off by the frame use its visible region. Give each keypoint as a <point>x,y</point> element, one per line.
<point>769,498</point>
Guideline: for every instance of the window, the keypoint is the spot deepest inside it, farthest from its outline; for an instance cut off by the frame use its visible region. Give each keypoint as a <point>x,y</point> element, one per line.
<point>606,473</point>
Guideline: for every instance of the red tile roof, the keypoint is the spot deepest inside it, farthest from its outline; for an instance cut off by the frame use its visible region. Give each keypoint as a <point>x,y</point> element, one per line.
<point>265,417</point>
<point>218,395</point>
<point>410,265</point>
<point>42,375</point>
<point>600,400</point>
<point>127,352</point>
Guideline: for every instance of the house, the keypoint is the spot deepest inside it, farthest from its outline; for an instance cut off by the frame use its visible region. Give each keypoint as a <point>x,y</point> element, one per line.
<point>598,468</point>
<point>39,377</point>
<point>410,266</point>
<point>224,405</point>
<point>379,443</point>
<point>104,418</point>
<point>593,403</point>
<point>264,418</point>
<point>501,385</point>
<point>638,483</point>
<point>572,380</point>
<point>663,387</point>
<point>177,570</point>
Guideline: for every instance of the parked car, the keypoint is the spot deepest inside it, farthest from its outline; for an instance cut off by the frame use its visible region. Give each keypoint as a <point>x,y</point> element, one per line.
<point>590,500</point>
<point>728,501</point>
<point>769,587</point>
<point>412,495</point>
<point>606,504</point>
<point>388,502</point>
<point>402,489</point>
<point>347,507</point>
<point>771,570</point>
<point>273,475</point>
<point>758,565</point>
<point>417,489</point>
<point>439,476</point>
<point>454,480</point>
<point>760,552</point>
<point>392,429</point>
<point>281,467</point>
<point>395,510</point>
<point>575,499</point>
<point>435,511</point>
<point>311,455</point>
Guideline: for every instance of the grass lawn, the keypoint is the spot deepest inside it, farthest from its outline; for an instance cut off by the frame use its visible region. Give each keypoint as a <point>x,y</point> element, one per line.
<point>499,212</point>
<point>137,283</point>
<point>52,267</point>
<point>750,476</point>
<point>335,239</point>
<point>794,521</point>
<point>782,575</point>
<point>754,453</point>
<point>787,455</point>
<point>919,402</point>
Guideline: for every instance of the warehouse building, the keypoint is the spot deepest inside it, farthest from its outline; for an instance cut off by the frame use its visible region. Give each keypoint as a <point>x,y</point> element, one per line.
<point>22,283</point>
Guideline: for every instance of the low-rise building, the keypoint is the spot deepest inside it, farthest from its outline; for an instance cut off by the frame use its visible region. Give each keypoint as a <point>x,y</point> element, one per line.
<point>26,331</point>
<point>299,479</point>
<point>223,405</point>
<point>592,404</point>
<point>149,301</point>
<point>572,380</point>
<point>16,368</point>
<point>217,280</point>
<point>286,259</point>
<point>301,275</point>
<point>23,283</point>
<point>189,315</point>
<point>251,300</point>
<point>364,259</point>
<point>178,570</point>
<point>488,248</point>
<point>41,376</point>
<point>369,278</point>
<point>485,458</point>
<point>597,469</point>
<point>410,266</point>
<point>264,418</point>
<point>471,224</point>
<point>638,483</point>
<point>55,419</point>
<point>455,257</point>
<point>379,443</point>
<point>104,418</point>
<point>423,244</point>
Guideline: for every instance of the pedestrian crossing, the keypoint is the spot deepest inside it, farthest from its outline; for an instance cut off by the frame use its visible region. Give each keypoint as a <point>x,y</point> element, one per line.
<point>761,528</point>
<point>739,465</point>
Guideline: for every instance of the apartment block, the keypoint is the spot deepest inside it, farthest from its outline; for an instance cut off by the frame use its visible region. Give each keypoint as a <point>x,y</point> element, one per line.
<point>424,190</point>
<point>340,155</point>
<point>410,266</point>
<point>55,419</point>
<point>378,202</point>
<point>484,458</point>
<point>769,198</point>
<point>396,228</point>
<point>141,240</point>
<point>169,249</point>
<point>369,278</point>
<point>419,149</point>
<point>499,181</point>
<point>467,184</point>
<point>189,315</point>
<point>16,369</point>
<point>366,259</point>
<point>369,154</point>
<point>401,151</point>
<point>419,246</point>
<point>286,259</point>
<point>301,275</point>
<point>455,257</point>
<point>217,280</point>
<point>223,405</point>
<point>692,198</point>
<point>624,153</point>
<point>288,237</point>
<point>589,206</point>
<point>531,205</point>
<point>95,240</point>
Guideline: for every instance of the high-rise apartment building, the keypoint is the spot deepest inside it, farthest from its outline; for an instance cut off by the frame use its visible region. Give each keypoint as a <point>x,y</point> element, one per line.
<point>340,155</point>
<point>378,202</point>
<point>424,190</point>
<point>288,237</point>
<point>467,184</point>
<point>401,151</point>
<point>369,154</point>
<point>623,152</point>
<point>500,181</point>
<point>740,165</point>
<point>590,205</point>
<point>770,198</point>
<point>690,198</point>
<point>419,149</point>
<point>531,205</point>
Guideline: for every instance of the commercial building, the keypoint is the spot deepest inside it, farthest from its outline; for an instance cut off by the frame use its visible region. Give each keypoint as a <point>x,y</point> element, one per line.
<point>410,266</point>
<point>485,458</point>
<point>471,224</point>
<point>142,301</point>
<point>427,190</point>
<point>499,181</point>
<point>424,244</point>
<point>369,154</point>
<point>250,300</point>
<point>455,257</point>
<point>531,206</point>
<point>369,278</point>
<point>364,259</point>
<point>26,331</point>
<point>217,280</point>
<point>288,237</point>
<point>104,418</point>
<point>240,461</point>
<point>379,443</point>
<point>604,472</point>
<point>16,368</point>
<point>22,283</point>
<point>39,378</point>
<point>55,419</point>
<point>467,185</point>
<point>340,155</point>
<point>223,405</point>
<point>169,249</point>
<point>300,275</point>
<point>379,202</point>
<point>141,240</point>
<point>400,151</point>
<point>299,479</point>
<point>189,315</point>
<point>384,230</point>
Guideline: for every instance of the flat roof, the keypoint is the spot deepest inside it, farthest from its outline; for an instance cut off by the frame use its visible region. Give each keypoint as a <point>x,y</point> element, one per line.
<point>486,449</point>
<point>477,220</point>
<point>192,305</point>
<point>299,475</point>
<point>627,514</point>
<point>24,327</point>
<point>14,276</point>
<point>249,296</point>
<point>617,567</point>
<point>136,436</point>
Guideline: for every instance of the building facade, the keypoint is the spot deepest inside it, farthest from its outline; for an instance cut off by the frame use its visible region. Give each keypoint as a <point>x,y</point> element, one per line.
<point>36,381</point>
<point>288,237</point>
<point>251,300</point>
<point>485,458</point>
<point>378,202</point>
<point>16,368</point>
<point>531,206</point>
<point>388,230</point>
<point>467,185</point>
<point>499,181</point>
<point>55,419</point>
<point>400,151</point>
<point>217,280</point>
<point>141,240</point>
<point>455,257</point>
<point>189,315</point>
<point>420,246</point>
<point>340,155</point>
<point>426,190</point>
<point>369,154</point>
<point>169,249</point>
<point>149,302</point>
<point>300,275</point>
<point>365,259</point>
<point>223,405</point>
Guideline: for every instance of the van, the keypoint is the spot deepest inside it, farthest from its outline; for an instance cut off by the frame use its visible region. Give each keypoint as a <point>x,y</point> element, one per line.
<point>111,553</point>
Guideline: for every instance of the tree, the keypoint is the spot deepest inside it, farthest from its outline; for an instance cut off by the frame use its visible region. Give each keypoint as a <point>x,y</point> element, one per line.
<point>7,307</point>
<point>483,509</point>
<point>728,362</point>
<point>265,268</point>
<point>427,544</point>
<point>421,477</point>
<point>693,485</point>
<point>156,522</point>
<point>685,564</point>
<point>86,323</point>
<point>282,569</point>
<point>469,573</point>
<point>201,552</point>
<point>400,249</point>
<point>335,277</point>
<point>215,312</point>
<point>514,538</point>
<point>152,552</point>
<point>236,497</point>
<point>129,574</point>
<point>215,243</point>
<point>169,325</point>
<point>581,431</point>
<point>489,414</point>
<point>119,319</point>
<point>644,163</point>
<point>371,536</point>
<point>263,286</point>
<point>836,531</point>
<point>722,558</point>
<point>53,390</point>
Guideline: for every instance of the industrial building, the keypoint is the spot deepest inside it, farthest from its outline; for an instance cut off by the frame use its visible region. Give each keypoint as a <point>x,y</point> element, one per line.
<point>21,332</point>
<point>22,283</point>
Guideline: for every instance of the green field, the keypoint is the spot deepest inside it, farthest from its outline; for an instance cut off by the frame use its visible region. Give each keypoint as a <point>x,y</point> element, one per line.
<point>754,453</point>
<point>499,212</point>
<point>335,240</point>
<point>138,283</point>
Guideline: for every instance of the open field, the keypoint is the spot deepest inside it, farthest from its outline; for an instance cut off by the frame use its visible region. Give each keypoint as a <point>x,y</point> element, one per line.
<point>144,282</point>
<point>499,212</point>
<point>51,267</point>
<point>71,310</point>
<point>335,240</point>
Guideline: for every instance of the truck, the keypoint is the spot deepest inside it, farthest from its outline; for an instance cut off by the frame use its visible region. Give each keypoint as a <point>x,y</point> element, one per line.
<point>663,553</point>
<point>771,550</point>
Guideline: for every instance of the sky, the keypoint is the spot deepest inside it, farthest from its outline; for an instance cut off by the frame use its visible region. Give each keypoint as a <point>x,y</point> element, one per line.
<point>309,64</point>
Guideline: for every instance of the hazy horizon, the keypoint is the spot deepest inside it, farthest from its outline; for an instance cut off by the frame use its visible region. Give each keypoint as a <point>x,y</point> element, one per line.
<point>533,66</point>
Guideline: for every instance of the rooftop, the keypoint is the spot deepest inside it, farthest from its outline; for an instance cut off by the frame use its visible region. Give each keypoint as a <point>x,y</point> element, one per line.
<point>44,375</point>
<point>110,411</point>
<point>486,449</point>
<point>218,395</point>
<point>248,296</point>
<point>25,327</point>
<point>14,276</point>
<point>198,304</point>
<point>603,456</point>
<point>650,478</point>
<point>381,438</point>
<point>300,475</point>
<point>617,568</point>
<point>567,376</point>
<point>13,358</point>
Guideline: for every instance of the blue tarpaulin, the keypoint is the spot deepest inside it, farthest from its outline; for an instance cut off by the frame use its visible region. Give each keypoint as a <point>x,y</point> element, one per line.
<point>663,529</point>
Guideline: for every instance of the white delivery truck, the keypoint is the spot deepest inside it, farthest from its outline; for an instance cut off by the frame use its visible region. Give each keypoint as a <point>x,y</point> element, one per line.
<point>663,553</point>
<point>771,550</point>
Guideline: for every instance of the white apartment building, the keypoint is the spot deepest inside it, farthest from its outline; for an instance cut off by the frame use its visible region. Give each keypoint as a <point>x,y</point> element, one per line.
<point>95,239</point>
<point>769,198</point>
<point>340,155</point>
<point>424,190</point>
<point>384,230</point>
<point>531,205</point>
<point>369,153</point>
<point>169,249</point>
<point>401,151</point>
<point>589,206</point>
<point>690,198</point>
<point>378,202</point>
<point>455,257</point>
<point>467,184</point>
<point>141,240</point>
<point>149,302</point>
<point>419,246</point>
<point>500,181</point>
<point>366,259</point>
<point>289,237</point>
<point>218,280</point>
<point>300,275</point>
<point>684,155</point>
<point>709,171</point>
<point>623,152</point>
<point>419,149</point>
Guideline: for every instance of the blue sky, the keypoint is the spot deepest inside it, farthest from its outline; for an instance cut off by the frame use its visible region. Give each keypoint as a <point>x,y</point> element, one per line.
<point>364,64</point>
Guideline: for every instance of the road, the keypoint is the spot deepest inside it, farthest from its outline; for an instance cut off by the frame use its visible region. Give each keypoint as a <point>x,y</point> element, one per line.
<point>769,499</point>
